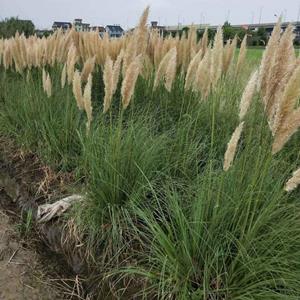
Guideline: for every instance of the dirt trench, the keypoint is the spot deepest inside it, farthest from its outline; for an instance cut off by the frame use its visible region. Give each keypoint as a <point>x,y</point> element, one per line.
<point>21,270</point>
<point>29,268</point>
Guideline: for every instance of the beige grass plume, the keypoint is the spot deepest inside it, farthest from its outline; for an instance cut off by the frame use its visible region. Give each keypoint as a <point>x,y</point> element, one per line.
<point>293,182</point>
<point>88,68</point>
<point>204,41</point>
<point>287,118</point>
<point>129,81</point>
<point>202,81</point>
<point>77,91</point>
<point>108,83</point>
<point>242,55</point>
<point>217,57</point>
<point>71,61</point>
<point>147,67</point>
<point>279,73</point>
<point>142,33</point>
<point>231,147</point>
<point>268,57</point>
<point>130,53</point>
<point>248,95</point>
<point>48,86</point>
<point>192,40</point>
<point>28,76</point>
<point>63,76</point>
<point>192,69</point>
<point>286,130</point>
<point>7,54</point>
<point>162,68</point>
<point>287,103</point>
<point>117,71</point>
<point>229,51</point>
<point>171,70</point>
<point>44,78</point>
<point>87,101</point>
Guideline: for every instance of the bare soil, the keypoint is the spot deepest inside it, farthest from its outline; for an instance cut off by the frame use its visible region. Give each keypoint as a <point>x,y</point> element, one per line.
<point>21,271</point>
<point>29,267</point>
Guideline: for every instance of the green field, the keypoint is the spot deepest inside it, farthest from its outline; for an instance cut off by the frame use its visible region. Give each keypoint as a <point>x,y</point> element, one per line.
<point>162,216</point>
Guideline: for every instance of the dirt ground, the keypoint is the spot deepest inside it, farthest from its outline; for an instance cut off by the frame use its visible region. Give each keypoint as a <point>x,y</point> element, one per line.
<point>21,275</point>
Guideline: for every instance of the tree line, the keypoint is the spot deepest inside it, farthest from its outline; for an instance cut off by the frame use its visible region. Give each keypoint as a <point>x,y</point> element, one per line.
<point>9,27</point>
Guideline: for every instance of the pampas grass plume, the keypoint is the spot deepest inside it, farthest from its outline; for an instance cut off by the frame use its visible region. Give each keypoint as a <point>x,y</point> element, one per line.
<point>162,68</point>
<point>191,71</point>
<point>48,86</point>
<point>71,61</point>
<point>63,76</point>
<point>87,101</point>
<point>117,70</point>
<point>77,90</point>
<point>171,70</point>
<point>242,55</point>
<point>293,182</point>
<point>248,95</point>
<point>288,101</point>
<point>44,78</point>
<point>268,57</point>
<point>108,83</point>
<point>129,81</point>
<point>88,68</point>
<point>202,81</point>
<point>231,147</point>
<point>217,57</point>
<point>142,32</point>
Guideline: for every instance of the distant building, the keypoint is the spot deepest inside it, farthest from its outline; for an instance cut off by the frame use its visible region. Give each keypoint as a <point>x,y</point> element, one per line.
<point>114,31</point>
<point>268,27</point>
<point>80,26</point>
<point>155,26</point>
<point>61,25</point>
<point>101,30</point>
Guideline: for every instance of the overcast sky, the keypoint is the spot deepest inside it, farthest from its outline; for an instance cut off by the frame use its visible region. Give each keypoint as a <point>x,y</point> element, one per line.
<point>167,12</point>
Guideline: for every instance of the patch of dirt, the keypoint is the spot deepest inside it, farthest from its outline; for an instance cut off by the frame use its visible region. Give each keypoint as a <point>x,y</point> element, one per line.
<point>57,248</point>
<point>21,275</point>
<point>31,264</point>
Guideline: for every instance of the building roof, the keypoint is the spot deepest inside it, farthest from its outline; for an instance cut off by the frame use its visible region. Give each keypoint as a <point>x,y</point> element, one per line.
<point>115,28</point>
<point>62,24</point>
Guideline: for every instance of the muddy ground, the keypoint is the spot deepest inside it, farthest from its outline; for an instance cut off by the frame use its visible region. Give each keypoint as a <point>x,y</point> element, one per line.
<point>21,270</point>
<point>43,261</point>
<point>28,267</point>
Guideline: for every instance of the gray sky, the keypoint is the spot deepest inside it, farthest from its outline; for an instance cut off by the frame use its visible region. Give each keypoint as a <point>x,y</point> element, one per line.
<point>167,12</point>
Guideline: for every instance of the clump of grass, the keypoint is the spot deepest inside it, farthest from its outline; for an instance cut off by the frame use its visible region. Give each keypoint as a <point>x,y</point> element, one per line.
<point>215,237</point>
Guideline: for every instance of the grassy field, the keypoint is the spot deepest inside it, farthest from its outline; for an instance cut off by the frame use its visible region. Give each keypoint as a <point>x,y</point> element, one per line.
<point>254,55</point>
<point>162,214</point>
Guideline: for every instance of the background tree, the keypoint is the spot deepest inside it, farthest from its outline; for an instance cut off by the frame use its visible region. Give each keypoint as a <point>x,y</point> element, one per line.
<point>9,27</point>
<point>230,32</point>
